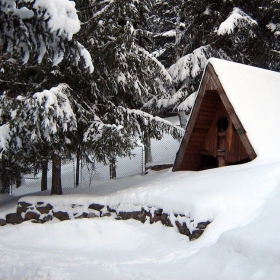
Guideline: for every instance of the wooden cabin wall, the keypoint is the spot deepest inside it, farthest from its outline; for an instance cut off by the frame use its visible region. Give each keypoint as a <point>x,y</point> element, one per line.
<point>210,143</point>
<point>191,160</point>
<point>235,151</point>
<point>204,120</point>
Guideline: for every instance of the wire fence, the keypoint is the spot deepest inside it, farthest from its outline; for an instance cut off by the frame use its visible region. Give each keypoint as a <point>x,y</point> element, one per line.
<point>125,167</point>
<point>163,152</point>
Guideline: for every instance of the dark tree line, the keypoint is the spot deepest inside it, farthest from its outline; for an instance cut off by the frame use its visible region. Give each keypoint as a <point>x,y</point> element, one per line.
<point>92,87</point>
<point>53,104</point>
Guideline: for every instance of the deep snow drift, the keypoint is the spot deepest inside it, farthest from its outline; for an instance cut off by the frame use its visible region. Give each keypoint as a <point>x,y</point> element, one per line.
<point>242,242</point>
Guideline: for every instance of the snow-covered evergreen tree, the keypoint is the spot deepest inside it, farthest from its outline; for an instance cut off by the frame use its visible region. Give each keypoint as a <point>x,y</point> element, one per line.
<point>39,127</point>
<point>245,32</point>
<point>126,76</point>
<point>36,115</point>
<point>40,50</point>
<point>168,26</point>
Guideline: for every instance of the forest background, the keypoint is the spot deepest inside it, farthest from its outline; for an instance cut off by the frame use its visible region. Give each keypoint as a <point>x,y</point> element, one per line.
<point>93,77</point>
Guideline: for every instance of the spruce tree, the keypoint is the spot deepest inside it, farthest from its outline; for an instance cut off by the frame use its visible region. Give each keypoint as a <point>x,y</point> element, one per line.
<point>168,26</point>
<point>126,76</point>
<point>241,31</point>
<point>36,114</point>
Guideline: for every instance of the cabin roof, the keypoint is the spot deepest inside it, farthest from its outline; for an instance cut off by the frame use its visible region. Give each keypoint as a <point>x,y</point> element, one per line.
<point>255,96</point>
<point>252,98</point>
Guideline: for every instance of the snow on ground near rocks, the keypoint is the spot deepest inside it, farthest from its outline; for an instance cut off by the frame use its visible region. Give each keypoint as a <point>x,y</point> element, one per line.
<point>242,242</point>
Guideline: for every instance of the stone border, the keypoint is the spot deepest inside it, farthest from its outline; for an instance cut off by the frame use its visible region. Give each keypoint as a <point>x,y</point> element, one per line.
<point>42,212</point>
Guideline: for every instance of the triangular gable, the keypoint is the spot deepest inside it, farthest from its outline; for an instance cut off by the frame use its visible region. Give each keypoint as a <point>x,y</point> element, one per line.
<point>211,105</point>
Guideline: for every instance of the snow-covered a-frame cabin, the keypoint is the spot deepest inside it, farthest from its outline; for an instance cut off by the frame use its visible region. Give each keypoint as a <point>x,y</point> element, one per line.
<point>235,118</point>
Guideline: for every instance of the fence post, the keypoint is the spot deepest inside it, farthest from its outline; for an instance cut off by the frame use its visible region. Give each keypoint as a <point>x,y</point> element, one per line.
<point>56,187</point>
<point>78,167</point>
<point>143,162</point>
<point>74,174</point>
<point>44,178</point>
<point>148,150</point>
<point>113,172</point>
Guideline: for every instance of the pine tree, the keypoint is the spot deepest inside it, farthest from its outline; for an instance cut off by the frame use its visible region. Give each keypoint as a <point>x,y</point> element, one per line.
<point>36,123</point>
<point>241,31</point>
<point>126,76</point>
<point>168,26</point>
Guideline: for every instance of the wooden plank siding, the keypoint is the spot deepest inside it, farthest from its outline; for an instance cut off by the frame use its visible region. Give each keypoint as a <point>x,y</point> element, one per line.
<point>198,149</point>
<point>235,150</point>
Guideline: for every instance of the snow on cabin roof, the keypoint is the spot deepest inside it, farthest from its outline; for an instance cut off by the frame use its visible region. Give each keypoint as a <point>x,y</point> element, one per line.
<point>255,95</point>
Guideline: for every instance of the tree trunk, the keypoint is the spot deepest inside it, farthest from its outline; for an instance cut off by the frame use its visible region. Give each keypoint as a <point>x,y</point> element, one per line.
<point>183,118</point>
<point>78,167</point>
<point>44,178</point>
<point>56,175</point>
<point>148,150</point>
<point>5,177</point>
<point>113,172</point>
<point>17,177</point>
<point>178,35</point>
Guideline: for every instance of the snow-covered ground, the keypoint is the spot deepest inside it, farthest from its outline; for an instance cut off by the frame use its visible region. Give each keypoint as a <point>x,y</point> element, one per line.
<point>242,242</point>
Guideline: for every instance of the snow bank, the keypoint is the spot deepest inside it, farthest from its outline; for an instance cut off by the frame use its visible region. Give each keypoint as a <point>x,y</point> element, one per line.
<point>224,196</point>
<point>242,242</point>
<point>249,252</point>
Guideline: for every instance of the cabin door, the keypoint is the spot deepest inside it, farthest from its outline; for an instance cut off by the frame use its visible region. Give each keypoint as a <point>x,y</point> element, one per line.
<point>222,125</point>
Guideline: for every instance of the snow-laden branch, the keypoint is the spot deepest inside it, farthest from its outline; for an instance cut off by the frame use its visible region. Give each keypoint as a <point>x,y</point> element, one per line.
<point>237,18</point>
<point>130,126</point>
<point>96,129</point>
<point>133,121</point>
<point>159,102</point>
<point>191,65</point>
<point>54,22</point>
<point>163,70</point>
<point>274,27</point>
<point>44,117</point>
<point>137,121</point>
<point>57,110</point>
<point>188,103</point>
<point>4,137</point>
<point>101,12</point>
<point>61,16</point>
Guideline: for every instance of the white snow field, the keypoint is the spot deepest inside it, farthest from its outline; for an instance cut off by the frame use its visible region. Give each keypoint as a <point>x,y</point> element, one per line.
<point>242,242</point>
<point>242,202</point>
